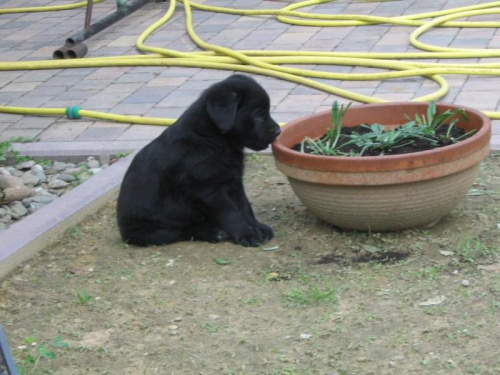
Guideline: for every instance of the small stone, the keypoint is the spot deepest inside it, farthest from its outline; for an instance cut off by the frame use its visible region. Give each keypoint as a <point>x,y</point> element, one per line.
<point>38,171</point>
<point>178,319</point>
<point>57,184</point>
<point>433,301</point>
<point>446,253</point>
<point>10,182</point>
<point>174,333</point>
<point>4,211</point>
<point>392,364</point>
<point>15,194</point>
<point>95,170</point>
<point>92,163</point>
<point>305,336</point>
<point>2,226</point>
<point>4,172</point>
<point>214,316</point>
<point>59,166</point>
<point>72,171</point>
<point>104,159</point>
<point>66,177</point>
<point>30,179</point>
<point>465,283</point>
<point>44,198</point>
<point>26,165</point>
<point>498,226</point>
<point>14,172</point>
<point>84,176</point>
<point>35,206</point>
<point>173,327</point>
<point>455,272</point>
<point>17,210</point>
<point>5,219</point>
<point>51,171</point>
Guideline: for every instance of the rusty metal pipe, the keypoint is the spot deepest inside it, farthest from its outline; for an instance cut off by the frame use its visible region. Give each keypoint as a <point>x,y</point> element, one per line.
<point>122,11</point>
<point>88,14</point>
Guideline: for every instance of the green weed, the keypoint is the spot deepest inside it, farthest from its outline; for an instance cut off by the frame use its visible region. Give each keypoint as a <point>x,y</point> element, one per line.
<point>312,295</point>
<point>470,249</point>
<point>376,137</point>
<point>83,297</point>
<point>31,362</point>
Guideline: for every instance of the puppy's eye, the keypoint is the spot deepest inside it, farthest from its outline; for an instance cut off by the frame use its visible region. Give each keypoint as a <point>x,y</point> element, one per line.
<point>259,114</point>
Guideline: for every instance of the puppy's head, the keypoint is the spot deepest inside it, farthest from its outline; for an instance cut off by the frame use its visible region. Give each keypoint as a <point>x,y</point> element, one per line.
<point>239,107</point>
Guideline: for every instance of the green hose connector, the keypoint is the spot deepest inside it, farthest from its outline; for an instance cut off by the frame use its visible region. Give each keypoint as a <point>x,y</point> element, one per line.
<point>73,112</point>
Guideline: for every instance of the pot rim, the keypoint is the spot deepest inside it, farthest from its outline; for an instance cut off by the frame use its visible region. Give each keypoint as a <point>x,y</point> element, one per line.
<point>414,160</point>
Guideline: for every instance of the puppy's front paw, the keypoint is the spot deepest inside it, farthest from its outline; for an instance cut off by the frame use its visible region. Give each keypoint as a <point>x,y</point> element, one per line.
<point>249,238</point>
<point>266,232</point>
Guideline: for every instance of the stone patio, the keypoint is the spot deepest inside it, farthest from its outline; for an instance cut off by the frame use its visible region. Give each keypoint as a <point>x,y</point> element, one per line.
<point>166,92</point>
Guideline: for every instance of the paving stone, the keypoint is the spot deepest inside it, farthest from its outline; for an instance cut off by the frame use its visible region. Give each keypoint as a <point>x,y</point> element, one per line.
<point>147,95</point>
<point>100,134</point>
<point>31,122</point>
<point>166,81</point>
<point>179,99</point>
<point>134,109</point>
<point>135,77</point>
<point>64,131</point>
<point>20,86</point>
<point>15,133</point>
<point>141,132</point>
<point>165,112</point>
<point>303,103</point>
<point>477,99</point>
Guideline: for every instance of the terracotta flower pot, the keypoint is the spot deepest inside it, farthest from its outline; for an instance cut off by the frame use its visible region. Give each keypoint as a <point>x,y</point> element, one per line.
<point>382,193</point>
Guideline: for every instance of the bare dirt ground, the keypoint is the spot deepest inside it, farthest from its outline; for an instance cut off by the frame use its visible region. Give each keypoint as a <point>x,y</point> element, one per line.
<point>315,300</point>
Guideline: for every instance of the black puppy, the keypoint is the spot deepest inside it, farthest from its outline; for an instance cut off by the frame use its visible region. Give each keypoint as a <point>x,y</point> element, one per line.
<point>187,183</point>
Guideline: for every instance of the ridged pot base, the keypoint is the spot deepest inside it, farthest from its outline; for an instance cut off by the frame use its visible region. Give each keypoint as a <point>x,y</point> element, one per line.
<point>387,207</point>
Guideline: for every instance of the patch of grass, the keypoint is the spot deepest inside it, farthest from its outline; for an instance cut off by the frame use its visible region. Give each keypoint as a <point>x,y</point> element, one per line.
<point>74,233</point>
<point>212,328</point>
<point>470,250</point>
<point>7,150</point>
<point>122,154</point>
<point>430,273</point>
<point>312,295</point>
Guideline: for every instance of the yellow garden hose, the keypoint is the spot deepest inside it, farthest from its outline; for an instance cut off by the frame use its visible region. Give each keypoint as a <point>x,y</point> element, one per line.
<point>271,63</point>
<point>50,8</point>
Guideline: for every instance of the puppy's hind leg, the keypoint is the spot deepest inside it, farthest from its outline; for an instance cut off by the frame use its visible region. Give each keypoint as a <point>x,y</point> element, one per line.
<point>152,236</point>
<point>207,231</point>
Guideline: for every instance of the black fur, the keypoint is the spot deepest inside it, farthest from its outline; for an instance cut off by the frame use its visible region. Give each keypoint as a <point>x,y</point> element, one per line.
<point>187,183</point>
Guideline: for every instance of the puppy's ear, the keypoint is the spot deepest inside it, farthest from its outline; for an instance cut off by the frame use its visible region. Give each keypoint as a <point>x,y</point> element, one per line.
<point>222,107</point>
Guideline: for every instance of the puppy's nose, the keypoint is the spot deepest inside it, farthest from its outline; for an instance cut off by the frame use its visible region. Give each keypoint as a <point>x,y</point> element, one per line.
<point>277,131</point>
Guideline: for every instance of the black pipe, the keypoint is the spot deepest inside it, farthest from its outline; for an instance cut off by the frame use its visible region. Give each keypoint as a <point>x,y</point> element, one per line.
<point>121,12</point>
<point>74,48</point>
<point>73,52</point>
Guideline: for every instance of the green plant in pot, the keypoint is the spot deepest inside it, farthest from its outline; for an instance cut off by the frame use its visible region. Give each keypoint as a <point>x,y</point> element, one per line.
<point>389,171</point>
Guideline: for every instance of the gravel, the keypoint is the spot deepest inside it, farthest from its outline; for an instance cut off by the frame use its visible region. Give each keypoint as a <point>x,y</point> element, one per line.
<point>31,185</point>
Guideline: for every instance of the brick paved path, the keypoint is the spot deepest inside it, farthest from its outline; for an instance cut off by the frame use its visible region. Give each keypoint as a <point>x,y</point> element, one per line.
<point>166,92</point>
